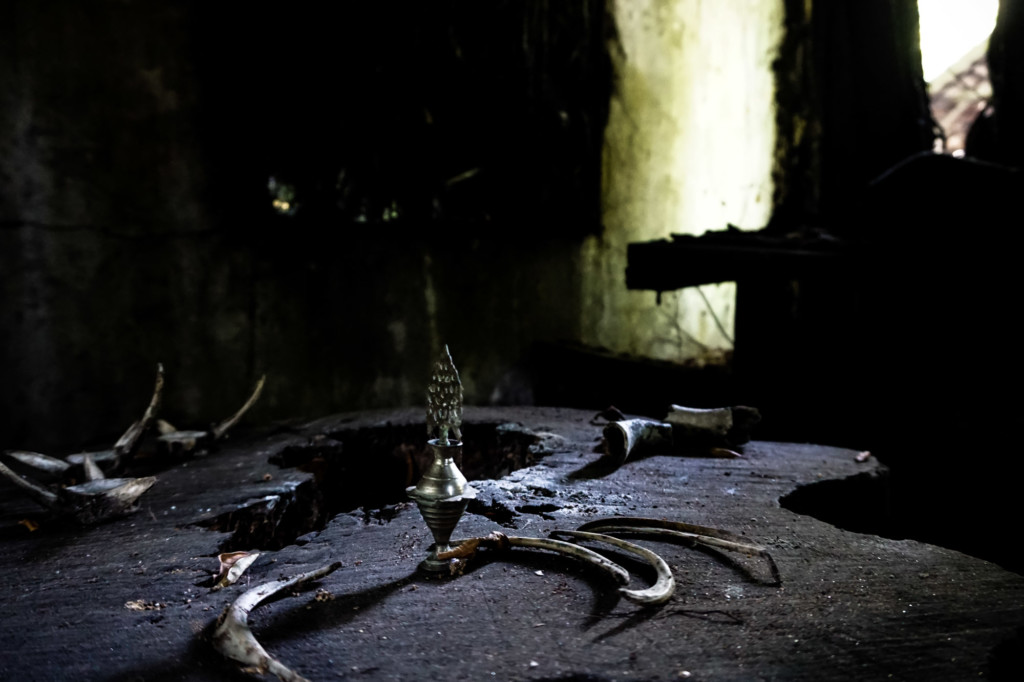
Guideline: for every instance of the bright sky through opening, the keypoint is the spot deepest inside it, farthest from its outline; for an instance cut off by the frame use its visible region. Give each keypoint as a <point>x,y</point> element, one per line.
<point>952,28</point>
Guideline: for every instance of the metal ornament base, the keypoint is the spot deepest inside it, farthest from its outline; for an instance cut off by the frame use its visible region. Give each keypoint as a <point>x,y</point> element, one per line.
<point>448,513</point>
<point>442,496</point>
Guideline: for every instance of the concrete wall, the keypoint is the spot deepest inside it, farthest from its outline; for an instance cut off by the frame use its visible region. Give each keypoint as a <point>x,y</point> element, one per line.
<point>128,237</point>
<point>128,233</point>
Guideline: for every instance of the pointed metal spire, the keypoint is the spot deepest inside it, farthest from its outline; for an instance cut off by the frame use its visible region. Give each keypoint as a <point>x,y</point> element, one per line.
<point>444,400</point>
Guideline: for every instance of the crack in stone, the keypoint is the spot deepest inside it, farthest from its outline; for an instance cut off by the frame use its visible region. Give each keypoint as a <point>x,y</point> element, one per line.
<point>370,469</point>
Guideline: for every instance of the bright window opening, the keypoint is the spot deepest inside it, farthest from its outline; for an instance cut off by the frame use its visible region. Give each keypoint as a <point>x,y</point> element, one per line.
<point>951,29</point>
<point>954,38</point>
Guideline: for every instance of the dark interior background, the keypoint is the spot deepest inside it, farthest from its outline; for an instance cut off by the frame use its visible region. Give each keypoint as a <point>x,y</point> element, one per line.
<point>436,167</point>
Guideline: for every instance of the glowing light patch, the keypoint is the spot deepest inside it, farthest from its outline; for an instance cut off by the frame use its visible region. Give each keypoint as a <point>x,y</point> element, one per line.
<point>952,28</point>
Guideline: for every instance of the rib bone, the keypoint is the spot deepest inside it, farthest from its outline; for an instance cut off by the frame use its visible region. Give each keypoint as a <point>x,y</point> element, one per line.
<point>127,444</point>
<point>688,532</point>
<point>658,593</point>
<point>466,549</point>
<point>219,430</point>
<point>175,442</point>
<point>233,638</point>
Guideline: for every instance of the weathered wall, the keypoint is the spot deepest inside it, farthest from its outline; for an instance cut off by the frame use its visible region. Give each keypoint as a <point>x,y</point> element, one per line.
<point>135,144</point>
<point>129,235</point>
<point>688,148</point>
<point>105,243</point>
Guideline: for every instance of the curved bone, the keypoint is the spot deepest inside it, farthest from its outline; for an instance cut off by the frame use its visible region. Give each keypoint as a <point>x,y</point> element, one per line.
<point>702,535</point>
<point>658,593</point>
<point>581,553</point>
<point>98,498</point>
<point>184,443</point>
<point>233,639</point>
<point>220,429</point>
<point>467,548</point>
<point>34,490</point>
<point>126,446</point>
<point>94,500</point>
<point>127,443</point>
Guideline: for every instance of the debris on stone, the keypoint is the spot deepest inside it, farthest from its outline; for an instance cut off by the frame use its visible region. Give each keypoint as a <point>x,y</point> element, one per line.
<point>716,432</point>
<point>186,443</point>
<point>232,566</point>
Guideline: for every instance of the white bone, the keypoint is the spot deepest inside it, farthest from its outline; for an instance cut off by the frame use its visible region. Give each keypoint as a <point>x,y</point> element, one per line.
<point>233,638</point>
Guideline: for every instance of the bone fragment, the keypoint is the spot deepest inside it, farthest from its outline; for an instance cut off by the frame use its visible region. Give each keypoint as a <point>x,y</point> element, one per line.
<point>688,532</point>
<point>233,639</point>
<point>232,566</point>
<point>101,458</point>
<point>106,460</point>
<point>71,469</point>
<point>730,425</point>
<point>103,498</point>
<point>658,593</point>
<point>34,490</point>
<point>717,420</point>
<point>181,443</point>
<point>582,553</point>
<point>220,429</point>
<point>92,472</point>
<point>39,461</point>
<point>127,444</point>
<point>99,498</point>
<point>633,436</point>
<point>95,500</point>
<point>466,549</point>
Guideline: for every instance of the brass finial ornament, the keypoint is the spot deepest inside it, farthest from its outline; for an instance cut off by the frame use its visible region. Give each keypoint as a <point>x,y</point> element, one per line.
<point>443,494</point>
<point>444,400</point>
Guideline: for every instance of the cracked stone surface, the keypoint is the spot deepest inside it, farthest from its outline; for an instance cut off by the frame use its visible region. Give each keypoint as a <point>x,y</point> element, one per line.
<point>850,605</point>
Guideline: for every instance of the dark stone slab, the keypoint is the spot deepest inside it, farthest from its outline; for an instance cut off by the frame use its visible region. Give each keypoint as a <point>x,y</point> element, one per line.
<point>851,605</point>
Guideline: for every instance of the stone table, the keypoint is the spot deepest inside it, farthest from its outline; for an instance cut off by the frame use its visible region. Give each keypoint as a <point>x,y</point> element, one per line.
<point>131,599</point>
